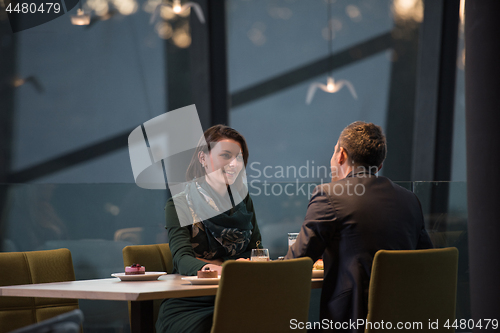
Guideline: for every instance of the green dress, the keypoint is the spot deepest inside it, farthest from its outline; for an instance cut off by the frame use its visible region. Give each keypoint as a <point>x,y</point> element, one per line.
<point>194,314</point>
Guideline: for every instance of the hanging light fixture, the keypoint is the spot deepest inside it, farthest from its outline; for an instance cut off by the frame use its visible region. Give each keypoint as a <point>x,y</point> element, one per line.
<point>20,81</point>
<point>331,86</point>
<point>177,8</point>
<point>80,18</point>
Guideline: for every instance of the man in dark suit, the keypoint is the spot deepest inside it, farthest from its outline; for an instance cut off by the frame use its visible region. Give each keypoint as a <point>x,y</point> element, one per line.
<point>351,218</point>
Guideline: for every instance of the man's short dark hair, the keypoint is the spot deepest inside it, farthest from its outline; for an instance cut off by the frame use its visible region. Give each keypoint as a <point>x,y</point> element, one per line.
<point>365,144</point>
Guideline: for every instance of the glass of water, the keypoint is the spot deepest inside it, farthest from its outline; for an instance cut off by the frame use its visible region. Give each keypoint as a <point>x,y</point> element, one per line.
<point>292,237</point>
<point>259,255</point>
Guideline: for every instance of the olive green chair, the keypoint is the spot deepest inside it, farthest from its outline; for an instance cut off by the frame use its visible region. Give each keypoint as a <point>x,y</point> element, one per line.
<point>413,287</point>
<point>155,257</point>
<point>28,268</point>
<point>262,296</point>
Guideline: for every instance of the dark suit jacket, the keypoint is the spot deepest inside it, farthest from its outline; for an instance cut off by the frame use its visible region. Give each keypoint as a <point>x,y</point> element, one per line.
<point>347,222</point>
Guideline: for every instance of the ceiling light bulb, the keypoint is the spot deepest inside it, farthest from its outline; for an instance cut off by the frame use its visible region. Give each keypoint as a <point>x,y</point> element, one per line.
<point>80,18</point>
<point>330,85</point>
<point>18,82</point>
<point>177,6</point>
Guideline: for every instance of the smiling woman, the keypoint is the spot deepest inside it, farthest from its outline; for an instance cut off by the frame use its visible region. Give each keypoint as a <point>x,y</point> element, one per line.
<point>223,147</point>
<point>219,162</point>
<point>211,221</point>
<point>222,165</point>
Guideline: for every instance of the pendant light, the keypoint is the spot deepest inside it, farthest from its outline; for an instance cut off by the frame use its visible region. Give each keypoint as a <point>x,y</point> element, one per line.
<point>331,86</point>
<point>80,18</point>
<point>178,8</point>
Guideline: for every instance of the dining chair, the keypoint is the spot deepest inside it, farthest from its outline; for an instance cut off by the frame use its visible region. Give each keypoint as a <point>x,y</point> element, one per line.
<point>155,257</point>
<point>412,287</point>
<point>29,268</point>
<point>90,263</point>
<point>262,296</point>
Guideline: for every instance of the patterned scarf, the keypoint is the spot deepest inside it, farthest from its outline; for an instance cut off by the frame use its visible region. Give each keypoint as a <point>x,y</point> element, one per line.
<point>228,232</point>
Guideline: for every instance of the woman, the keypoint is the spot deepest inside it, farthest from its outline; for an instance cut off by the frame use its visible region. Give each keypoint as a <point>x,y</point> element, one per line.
<point>214,230</point>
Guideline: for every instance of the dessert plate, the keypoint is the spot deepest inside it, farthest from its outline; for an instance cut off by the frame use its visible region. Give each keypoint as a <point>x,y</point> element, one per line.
<point>196,280</point>
<point>148,276</point>
<point>318,273</point>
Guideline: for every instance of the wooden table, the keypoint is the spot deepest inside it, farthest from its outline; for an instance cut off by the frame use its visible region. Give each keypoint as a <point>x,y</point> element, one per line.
<point>140,293</point>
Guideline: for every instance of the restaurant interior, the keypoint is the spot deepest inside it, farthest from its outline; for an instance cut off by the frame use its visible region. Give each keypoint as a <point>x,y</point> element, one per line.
<point>287,74</point>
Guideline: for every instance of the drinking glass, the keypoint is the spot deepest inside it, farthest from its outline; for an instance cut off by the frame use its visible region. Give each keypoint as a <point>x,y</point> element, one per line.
<point>259,255</point>
<point>292,237</point>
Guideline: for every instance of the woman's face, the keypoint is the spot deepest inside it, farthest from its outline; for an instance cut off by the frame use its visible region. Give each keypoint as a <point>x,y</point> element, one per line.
<point>224,162</point>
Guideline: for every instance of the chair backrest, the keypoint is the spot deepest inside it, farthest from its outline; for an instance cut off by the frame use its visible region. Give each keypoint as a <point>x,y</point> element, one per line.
<point>414,286</point>
<point>155,257</point>
<point>90,263</point>
<point>28,268</point>
<point>262,296</point>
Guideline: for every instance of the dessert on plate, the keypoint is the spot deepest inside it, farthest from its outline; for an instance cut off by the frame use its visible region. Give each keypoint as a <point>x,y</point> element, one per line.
<point>318,265</point>
<point>135,269</point>
<point>207,273</point>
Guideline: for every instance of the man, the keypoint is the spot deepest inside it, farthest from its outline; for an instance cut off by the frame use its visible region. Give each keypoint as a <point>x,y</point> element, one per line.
<point>354,216</point>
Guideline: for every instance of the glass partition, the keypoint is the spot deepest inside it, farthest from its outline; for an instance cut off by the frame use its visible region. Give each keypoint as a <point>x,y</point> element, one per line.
<point>445,211</point>
<point>41,214</point>
<point>92,219</point>
<point>95,222</point>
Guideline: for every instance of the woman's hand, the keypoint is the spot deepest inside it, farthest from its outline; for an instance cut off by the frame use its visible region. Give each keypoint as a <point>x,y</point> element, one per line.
<point>242,259</point>
<point>213,268</point>
<point>214,265</point>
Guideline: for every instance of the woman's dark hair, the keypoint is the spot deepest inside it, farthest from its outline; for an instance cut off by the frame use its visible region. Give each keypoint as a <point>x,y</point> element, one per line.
<point>213,135</point>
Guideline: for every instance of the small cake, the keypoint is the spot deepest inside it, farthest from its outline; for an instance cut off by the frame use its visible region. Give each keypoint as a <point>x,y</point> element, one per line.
<point>318,265</point>
<point>135,269</point>
<point>207,273</point>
